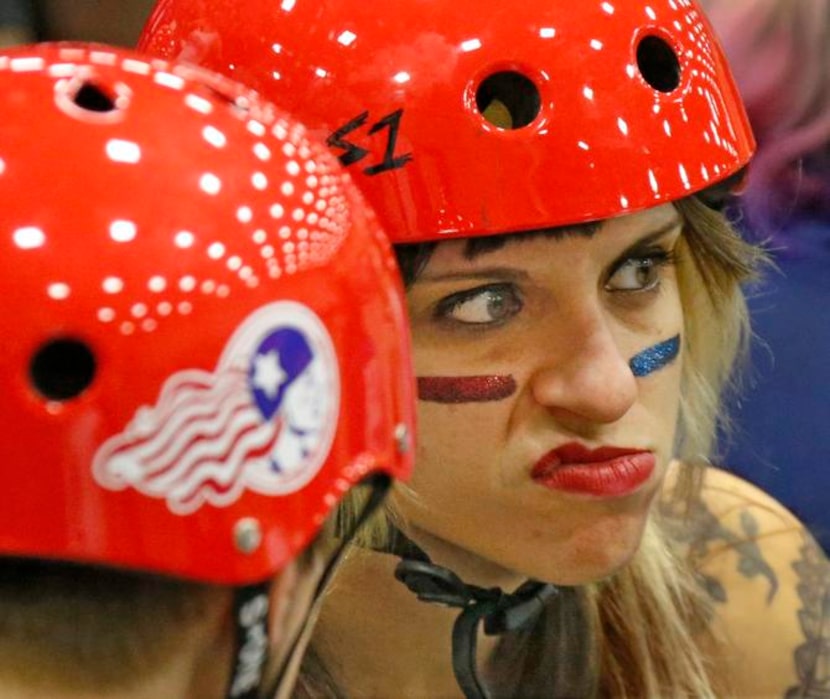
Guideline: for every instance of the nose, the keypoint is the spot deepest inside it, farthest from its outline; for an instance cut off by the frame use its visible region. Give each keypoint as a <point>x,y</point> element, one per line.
<point>585,377</point>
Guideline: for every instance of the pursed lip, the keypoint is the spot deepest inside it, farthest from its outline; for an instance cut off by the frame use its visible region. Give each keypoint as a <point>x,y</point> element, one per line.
<point>603,472</point>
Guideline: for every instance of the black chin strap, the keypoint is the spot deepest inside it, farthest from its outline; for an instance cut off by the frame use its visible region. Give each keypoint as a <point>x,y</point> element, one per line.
<point>500,611</point>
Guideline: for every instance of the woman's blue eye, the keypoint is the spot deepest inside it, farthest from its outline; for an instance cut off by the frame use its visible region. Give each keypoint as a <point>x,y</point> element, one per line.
<point>640,273</point>
<point>481,306</point>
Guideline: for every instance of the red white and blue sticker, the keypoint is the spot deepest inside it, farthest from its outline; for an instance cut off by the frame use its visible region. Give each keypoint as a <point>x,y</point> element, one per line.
<point>264,420</point>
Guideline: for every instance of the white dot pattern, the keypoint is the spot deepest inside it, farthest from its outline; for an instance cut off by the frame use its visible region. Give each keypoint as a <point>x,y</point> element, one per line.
<point>253,190</point>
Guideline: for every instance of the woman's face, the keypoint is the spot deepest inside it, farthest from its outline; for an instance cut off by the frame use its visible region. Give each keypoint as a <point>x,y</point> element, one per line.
<point>549,378</point>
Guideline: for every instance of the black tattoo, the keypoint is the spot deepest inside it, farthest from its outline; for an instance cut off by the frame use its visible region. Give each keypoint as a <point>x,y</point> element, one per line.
<point>812,658</point>
<point>701,531</point>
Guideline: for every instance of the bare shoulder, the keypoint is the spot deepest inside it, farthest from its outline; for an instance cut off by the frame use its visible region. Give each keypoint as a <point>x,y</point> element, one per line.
<point>740,505</point>
<point>770,582</point>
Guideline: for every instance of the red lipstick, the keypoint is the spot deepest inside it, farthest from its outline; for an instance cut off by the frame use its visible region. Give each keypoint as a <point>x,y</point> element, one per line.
<point>605,472</point>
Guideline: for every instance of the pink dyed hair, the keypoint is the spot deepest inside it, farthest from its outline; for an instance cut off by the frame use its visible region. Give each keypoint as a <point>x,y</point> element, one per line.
<point>779,51</point>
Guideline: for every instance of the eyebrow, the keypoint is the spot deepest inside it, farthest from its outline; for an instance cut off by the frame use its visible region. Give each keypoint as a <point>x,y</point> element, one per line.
<point>652,237</point>
<point>513,274</point>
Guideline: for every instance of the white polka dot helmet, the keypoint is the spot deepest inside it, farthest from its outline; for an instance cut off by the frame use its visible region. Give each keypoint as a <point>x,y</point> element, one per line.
<point>204,335</point>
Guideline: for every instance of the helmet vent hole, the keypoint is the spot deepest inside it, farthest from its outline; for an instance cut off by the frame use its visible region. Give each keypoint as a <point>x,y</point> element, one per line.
<point>62,369</point>
<point>94,99</point>
<point>658,64</point>
<point>508,100</point>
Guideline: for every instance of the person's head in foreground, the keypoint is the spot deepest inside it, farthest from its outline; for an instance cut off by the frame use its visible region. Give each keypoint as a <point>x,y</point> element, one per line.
<point>550,172</point>
<point>204,351</point>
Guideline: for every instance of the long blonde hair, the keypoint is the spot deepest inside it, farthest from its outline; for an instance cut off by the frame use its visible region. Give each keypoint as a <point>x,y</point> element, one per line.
<point>644,631</point>
<point>651,618</point>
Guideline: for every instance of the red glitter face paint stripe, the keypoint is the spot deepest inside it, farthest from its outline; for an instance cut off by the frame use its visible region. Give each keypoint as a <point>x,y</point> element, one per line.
<point>465,389</point>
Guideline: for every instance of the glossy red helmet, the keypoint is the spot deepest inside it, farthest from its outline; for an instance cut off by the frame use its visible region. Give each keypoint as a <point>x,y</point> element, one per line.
<point>204,337</point>
<point>473,118</point>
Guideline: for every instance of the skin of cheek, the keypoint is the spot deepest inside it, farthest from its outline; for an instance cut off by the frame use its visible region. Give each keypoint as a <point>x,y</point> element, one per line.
<point>468,493</point>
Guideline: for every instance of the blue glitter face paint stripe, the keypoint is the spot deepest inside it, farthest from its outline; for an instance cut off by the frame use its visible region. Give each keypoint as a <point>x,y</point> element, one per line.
<point>654,358</point>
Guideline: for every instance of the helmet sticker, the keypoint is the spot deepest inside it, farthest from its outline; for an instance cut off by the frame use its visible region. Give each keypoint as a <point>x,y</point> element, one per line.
<point>264,420</point>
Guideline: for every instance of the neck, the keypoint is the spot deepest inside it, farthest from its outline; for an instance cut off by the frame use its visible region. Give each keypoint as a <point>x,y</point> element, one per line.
<point>176,679</point>
<point>368,612</point>
<point>198,670</point>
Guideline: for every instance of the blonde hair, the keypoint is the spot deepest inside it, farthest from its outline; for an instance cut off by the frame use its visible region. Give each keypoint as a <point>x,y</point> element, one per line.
<point>648,623</point>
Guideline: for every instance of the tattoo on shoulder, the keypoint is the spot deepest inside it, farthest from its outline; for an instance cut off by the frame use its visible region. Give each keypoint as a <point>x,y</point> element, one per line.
<point>702,533</point>
<point>812,658</point>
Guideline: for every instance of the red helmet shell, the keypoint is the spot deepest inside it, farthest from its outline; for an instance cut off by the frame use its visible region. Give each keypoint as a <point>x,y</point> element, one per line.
<point>616,106</point>
<point>205,338</point>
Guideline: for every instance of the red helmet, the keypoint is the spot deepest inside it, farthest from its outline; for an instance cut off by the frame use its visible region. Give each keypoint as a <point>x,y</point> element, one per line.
<point>473,118</point>
<point>205,342</point>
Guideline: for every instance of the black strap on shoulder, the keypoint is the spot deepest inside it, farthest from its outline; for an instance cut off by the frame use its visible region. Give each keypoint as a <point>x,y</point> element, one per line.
<point>499,611</point>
